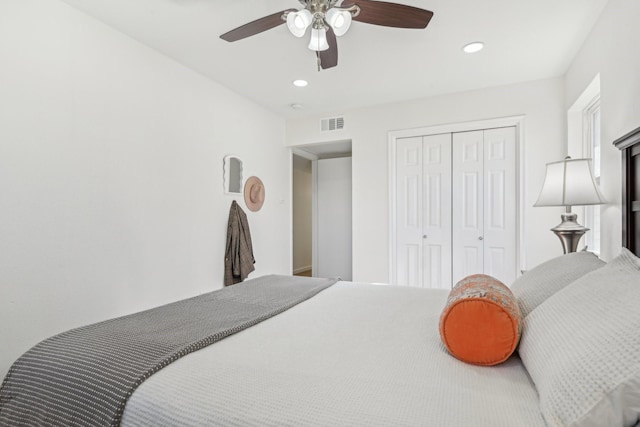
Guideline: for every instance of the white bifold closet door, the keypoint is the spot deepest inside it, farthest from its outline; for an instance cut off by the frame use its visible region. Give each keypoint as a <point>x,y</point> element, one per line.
<point>484,209</point>
<point>423,225</point>
<point>455,207</point>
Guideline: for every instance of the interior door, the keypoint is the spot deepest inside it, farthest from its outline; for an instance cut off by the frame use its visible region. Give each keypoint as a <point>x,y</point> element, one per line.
<point>468,207</point>
<point>409,267</point>
<point>334,221</point>
<point>500,204</point>
<point>436,167</point>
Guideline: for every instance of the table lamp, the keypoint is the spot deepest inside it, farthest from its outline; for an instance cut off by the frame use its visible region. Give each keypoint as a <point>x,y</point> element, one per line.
<point>569,182</point>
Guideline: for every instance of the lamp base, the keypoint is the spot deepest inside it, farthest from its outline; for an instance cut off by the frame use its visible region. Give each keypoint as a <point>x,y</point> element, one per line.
<point>569,232</point>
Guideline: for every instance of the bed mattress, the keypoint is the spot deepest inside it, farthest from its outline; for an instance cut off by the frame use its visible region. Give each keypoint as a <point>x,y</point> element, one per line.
<point>355,354</point>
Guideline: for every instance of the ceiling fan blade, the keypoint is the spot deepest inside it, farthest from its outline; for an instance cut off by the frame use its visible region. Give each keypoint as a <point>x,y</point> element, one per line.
<point>255,27</point>
<point>329,57</point>
<point>390,14</point>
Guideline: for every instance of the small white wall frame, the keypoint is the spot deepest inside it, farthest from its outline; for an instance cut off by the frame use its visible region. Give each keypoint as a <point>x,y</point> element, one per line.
<point>233,179</point>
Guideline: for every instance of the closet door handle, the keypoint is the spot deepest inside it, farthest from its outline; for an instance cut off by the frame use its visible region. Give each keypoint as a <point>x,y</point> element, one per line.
<point>480,238</point>
<point>424,236</point>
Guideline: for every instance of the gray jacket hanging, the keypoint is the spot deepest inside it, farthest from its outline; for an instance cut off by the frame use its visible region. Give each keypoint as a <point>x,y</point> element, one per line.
<point>238,259</point>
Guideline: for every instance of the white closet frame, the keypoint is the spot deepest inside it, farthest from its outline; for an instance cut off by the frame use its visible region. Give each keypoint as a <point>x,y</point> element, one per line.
<point>517,121</point>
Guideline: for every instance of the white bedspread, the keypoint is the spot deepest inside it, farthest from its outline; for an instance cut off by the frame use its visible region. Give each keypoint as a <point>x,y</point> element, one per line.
<point>354,355</point>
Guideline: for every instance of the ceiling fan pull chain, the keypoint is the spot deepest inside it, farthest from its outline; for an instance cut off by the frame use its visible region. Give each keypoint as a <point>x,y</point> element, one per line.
<point>319,61</point>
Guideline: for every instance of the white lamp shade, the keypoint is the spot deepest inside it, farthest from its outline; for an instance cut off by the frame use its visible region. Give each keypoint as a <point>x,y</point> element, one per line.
<point>318,40</point>
<point>570,182</point>
<point>298,22</point>
<point>340,20</point>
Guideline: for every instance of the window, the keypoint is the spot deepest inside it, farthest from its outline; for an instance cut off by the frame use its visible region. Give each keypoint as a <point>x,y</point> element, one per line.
<point>591,127</point>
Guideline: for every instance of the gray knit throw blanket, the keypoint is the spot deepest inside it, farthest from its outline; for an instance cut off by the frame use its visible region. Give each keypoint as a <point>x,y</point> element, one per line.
<point>85,376</point>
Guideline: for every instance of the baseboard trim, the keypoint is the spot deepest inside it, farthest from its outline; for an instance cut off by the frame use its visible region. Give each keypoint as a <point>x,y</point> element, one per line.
<point>301,269</point>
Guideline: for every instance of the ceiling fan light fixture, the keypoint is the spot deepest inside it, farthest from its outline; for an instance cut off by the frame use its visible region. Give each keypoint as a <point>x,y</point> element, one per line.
<point>340,20</point>
<point>318,40</point>
<point>298,22</point>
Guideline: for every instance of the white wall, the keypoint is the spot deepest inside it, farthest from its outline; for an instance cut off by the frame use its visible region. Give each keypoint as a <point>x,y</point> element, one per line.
<point>541,101</point>
<point>611,50</point>
<point>302,214</point>
<point>111,197</point>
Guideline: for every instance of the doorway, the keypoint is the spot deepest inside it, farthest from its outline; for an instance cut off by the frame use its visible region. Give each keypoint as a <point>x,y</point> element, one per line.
<point>321,210</point>
<point>302,204</point>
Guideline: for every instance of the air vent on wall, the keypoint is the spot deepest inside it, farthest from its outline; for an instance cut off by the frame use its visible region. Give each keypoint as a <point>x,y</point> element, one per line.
<point>334,123</point>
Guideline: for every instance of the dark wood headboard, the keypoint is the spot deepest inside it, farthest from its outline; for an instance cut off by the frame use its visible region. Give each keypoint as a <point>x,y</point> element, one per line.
<point>630,146</point>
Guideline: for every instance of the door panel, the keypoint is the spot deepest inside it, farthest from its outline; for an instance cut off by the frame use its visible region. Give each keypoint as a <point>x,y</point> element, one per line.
<point>412,267</point>
<point>470,261</point>
<point>468,207</point>
<point>334,219</point>
<point>494,259</point>
<point>412,211</point>
<point>437,211</point>
<point>495,190</point>
<point>409,266</point>
<point>436,267</point>
<point>500,203</point>
<point>471,220</point>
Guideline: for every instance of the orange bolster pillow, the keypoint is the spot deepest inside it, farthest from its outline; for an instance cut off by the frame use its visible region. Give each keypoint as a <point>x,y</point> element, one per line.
<point>481,322</point>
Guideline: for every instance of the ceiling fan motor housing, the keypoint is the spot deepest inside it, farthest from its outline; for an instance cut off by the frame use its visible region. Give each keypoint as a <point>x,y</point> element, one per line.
<point>318,6</point>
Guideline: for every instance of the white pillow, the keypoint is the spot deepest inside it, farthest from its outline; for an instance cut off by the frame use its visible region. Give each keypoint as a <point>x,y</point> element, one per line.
<point>535,286</point>
<point>581,348</point>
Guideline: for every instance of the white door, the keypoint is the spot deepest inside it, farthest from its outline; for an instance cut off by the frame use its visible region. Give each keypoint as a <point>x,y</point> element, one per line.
<point>409,266</point>
<point>467,212</point>
<point>500,204</point>
<point>423,211</point>
<point>436,195</point>
<point>484,204</point>
<point>333,237</point>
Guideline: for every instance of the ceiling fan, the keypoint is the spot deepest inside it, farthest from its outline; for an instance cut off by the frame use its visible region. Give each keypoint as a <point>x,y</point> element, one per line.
<point>331,18</point>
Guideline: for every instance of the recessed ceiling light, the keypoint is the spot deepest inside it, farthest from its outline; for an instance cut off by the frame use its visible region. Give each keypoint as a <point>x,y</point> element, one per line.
<point>297,106</point>
<point>473,47</point>
<point>300,83</point>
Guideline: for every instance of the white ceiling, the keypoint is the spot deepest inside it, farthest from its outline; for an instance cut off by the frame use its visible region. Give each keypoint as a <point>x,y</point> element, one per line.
<point>525,40</point>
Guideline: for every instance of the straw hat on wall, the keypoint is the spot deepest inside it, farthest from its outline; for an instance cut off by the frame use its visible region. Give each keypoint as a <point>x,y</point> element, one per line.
<point>254,193</point>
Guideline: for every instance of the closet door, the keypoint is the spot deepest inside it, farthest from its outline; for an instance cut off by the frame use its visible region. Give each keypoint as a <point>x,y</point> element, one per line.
<point>409,268</point>
<point>484,204</point>
<point>436,169</point>
<point>500,204</point>
<point>456,207</point>
<point>468,207</point>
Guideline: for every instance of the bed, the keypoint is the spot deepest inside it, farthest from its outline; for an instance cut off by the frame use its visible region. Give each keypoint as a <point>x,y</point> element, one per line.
<point>357,354</point>
<point>351,354</point>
